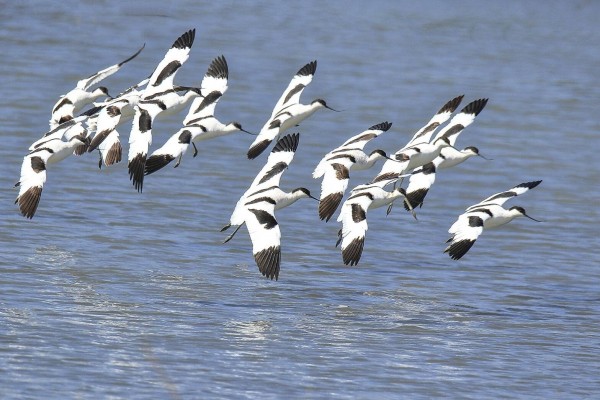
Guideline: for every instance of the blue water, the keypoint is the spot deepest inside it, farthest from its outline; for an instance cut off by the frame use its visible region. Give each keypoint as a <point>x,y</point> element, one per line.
<point>108,293</point>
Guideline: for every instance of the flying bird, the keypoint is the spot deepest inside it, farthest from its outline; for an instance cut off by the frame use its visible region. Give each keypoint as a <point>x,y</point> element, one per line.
<point>256,207</point>
<point>486,214</point>
<point>288,111</point>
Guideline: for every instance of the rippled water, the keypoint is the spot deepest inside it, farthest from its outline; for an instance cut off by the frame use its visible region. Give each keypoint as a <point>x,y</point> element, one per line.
<point>107,293</point>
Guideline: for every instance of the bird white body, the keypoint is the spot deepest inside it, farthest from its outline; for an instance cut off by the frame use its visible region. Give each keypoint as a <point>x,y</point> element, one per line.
<point>452,157</point>
<point>256,207</point>
<point>159,97</point>
<point>70,103</point>
<point>353,216</point>
<point>419,154</point>
<point>336,165</point>
<point>200,123</point>
<point>288,112</point>
<point>486,214</point>
<point>33,171</point>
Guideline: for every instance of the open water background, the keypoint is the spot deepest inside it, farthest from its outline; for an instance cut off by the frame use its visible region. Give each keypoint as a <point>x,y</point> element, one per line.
<point>108,293</point>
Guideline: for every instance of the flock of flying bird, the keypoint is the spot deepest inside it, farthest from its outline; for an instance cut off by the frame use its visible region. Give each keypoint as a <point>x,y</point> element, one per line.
<point>428,151</point>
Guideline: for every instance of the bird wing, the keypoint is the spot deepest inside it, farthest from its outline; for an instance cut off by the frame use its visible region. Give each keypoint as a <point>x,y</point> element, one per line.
<point>31,181</point>
<point>353,217</point>
<point>420,180</point>
<point>465,232</point>
<point>279,159</point>
<point>107,120</point>
<point>359,141</point>
<point>460,121</point>
<point>85,84</point>
<point>291,94</point>
<point>502,197</point>
<point>334,185</point>
<point>164,74</point>
<point>174,148</point>
<point>214,85</point>
<point>265,235</point>
<point>424,134</point>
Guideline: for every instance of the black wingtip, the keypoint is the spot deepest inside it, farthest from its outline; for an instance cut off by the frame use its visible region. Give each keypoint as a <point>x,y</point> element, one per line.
<point>308,69</point>
<point>258,148</point>
<point>156,162</point>
<point>529,185</point>
<point>218,68</point>
<point>415,199</point>
<point>328,205</point>
<point>136,171</point>
<point>352,253</point>
<point>287,143</point>
<point>186,40</point>
<point>383,126</point>
<point>451,105</point>
<point>268,262</point>
<point>474,107</point>
<point>458,249</point>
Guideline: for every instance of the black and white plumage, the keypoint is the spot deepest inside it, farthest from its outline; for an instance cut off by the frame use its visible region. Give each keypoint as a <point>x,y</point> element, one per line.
<point>64,131</point>
<point>200,123</point>
<point>256,207</point>
<point>336,165</point>
<point>486,214</point>
<point>33,170</point>
<point>70,103</point>
<point>159,97</point>
<point>104,123</point>
<point>424,134</point>
<point>422,178</point>
<point>353,216</point>
<point>452,157</point>
<point>288,111</point>
<point>420,154</point>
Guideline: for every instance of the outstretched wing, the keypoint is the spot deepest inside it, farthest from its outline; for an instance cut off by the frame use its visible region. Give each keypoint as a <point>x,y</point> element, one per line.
<point>424,134</point>
<point>354,226</point>
<point>91,80</point>
<point>31,182</point>
<point>502,197</point>
<point>465,232</point>
<point>265,235</point>
<point>291,94</point>
<point>164,74</point>
<point>279,159</point>
<point>460,121</point>
<point>214,85</point>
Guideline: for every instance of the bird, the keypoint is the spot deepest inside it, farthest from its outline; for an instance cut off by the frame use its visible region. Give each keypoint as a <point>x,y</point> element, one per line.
<point>105,121</point>
<point>161,96</point>
<point>421,153</point>
<point>288,111</point>
<point>353,216</point>
<point>65,130</point>
<point>452,156</point>
<point>422,178</point>
<point>486,214</point>
<point>424,134</point>
<point>336,165</point>
<point>200,123</point>
<point>256,207</point>
<point>68,104</point>
<point>33,170</point>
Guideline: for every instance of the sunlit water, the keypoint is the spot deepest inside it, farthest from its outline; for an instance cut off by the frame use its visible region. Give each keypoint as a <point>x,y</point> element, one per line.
<point>108,293</point>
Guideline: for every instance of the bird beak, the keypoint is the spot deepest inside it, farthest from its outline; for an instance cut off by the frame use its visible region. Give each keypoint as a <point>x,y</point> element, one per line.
<point>485,158</point>
<point>313,197</point>
<point>536,220</point>
<point>249,133</point>
<point>333,109</point>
